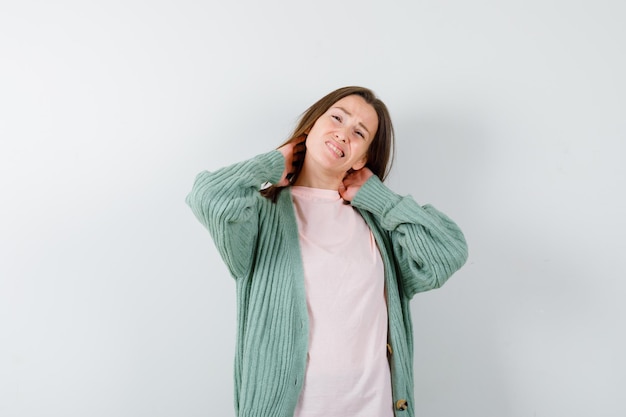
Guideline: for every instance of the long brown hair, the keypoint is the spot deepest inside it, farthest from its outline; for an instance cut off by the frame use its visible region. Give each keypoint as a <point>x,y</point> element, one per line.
<point>380,152</point>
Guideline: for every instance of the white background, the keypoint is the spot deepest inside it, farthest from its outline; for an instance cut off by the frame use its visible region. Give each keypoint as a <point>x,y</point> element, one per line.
<point>510,117</point>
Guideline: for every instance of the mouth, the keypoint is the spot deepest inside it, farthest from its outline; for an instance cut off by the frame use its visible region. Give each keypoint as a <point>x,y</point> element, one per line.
<point>335,149</point>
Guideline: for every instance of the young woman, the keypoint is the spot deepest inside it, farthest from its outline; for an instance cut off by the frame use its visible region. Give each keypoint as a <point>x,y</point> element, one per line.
<point>325,262</point>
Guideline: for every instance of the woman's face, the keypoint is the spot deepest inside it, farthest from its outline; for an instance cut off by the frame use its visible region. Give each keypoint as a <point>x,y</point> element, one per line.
<point>340,138</point>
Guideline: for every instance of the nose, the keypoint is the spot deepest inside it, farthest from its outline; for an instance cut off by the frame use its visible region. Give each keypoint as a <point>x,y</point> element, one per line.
<point>341,136</point>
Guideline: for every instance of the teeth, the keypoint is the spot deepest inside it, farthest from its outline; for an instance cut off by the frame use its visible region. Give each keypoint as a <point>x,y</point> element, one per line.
<point>335,149</point>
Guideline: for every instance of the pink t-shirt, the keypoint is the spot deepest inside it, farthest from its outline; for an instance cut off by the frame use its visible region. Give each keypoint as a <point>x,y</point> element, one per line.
<point>347,371</point>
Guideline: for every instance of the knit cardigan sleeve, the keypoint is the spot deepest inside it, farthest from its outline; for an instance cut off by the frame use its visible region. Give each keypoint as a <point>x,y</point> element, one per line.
<point>428,246</point>
<point>226,202</point>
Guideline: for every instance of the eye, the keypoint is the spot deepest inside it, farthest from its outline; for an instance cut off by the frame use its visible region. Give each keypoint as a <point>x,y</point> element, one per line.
<point>337,118</point>
<point>358,132</point>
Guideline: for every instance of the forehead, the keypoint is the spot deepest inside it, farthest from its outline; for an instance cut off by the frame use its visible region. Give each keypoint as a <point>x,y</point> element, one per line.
<point>360,109</point>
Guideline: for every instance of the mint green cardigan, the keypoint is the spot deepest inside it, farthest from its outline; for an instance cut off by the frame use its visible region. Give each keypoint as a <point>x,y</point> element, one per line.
<point>258,241</point>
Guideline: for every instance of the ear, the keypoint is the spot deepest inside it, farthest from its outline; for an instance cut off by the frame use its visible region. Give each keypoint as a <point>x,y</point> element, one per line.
<point>360,163</point>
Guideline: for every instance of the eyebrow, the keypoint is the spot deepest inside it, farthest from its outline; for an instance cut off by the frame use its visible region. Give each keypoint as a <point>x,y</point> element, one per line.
<point>350,114</point>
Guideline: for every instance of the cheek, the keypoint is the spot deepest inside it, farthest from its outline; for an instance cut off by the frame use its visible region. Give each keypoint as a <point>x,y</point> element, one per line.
<point>315,130</point>
<point>363,148</point>
<point>360,157</point>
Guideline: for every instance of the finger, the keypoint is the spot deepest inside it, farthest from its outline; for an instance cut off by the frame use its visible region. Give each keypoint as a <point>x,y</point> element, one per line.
<point>285,181</point>
<point>349,180</point>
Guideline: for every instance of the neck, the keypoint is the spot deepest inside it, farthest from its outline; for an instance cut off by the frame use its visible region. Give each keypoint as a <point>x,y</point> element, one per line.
<point>319,179</point>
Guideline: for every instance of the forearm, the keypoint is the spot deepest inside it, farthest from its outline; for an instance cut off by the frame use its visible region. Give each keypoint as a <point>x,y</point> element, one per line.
<point>225,202</point>
<point>429,247</point>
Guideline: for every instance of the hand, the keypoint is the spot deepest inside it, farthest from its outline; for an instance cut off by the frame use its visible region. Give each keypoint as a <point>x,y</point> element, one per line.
<point>352,183</point>
<point>294,154</point>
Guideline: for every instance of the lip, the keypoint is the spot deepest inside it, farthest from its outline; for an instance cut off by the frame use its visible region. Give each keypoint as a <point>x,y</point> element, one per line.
<point>334,148</point>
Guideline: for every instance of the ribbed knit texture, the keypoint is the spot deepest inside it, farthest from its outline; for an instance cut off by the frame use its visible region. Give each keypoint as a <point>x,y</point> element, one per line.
<point>258,241</point>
